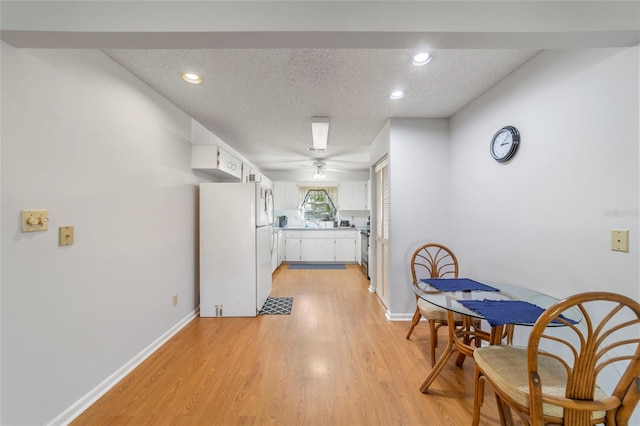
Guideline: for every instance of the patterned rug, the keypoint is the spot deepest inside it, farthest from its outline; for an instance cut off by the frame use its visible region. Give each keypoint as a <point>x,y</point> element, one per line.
<point>277,306</point>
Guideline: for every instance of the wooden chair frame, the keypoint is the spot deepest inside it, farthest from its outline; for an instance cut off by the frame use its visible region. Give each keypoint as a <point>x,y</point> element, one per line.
<point>439,262</point>
<point>582,371</point>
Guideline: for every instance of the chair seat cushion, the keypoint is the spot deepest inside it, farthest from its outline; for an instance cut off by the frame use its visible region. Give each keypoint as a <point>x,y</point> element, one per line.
<point>429,310</point>
<point>506,366</point>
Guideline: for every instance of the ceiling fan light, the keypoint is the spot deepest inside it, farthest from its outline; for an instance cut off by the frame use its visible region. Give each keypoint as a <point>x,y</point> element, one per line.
<point>319,173</point>
<point>320,132</point>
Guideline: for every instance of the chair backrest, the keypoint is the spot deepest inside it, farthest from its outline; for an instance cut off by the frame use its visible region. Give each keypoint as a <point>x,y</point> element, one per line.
<point>609,334</point>
<point>433,261</point>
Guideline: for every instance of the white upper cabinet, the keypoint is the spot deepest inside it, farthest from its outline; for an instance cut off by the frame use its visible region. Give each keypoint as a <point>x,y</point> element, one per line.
<point>352,195</point>
<point>285,196</point>
<point>213,160</point>
<point>250,174</point>
<point>360,198</point>
<point>207,156</point>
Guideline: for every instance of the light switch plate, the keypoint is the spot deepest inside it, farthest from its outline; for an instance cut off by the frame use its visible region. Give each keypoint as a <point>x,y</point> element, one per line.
<point>620,240</point>
<point>35,220</point>
<point>66,235</point>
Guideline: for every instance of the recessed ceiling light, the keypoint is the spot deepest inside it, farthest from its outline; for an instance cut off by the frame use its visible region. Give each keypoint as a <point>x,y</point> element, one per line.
<point>396,94</point>
<point>421,59</point>
<point>192,78</point>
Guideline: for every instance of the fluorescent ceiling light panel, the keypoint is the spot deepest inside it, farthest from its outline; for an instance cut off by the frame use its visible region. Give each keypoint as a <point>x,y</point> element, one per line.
<point>320,132</point>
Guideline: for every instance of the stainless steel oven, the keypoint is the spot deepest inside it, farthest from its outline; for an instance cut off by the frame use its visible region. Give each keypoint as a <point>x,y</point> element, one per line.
<point>364,251</point>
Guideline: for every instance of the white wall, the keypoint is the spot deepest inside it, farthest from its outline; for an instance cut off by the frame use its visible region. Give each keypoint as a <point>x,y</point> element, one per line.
<point>544,220</point>
<point>419,199</point>
<point>102,152</point>
<point>1,233</point>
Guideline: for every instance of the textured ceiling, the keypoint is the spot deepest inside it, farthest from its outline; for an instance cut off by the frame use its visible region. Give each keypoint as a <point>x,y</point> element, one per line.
<point>260,101</point>
<point>270,65</point>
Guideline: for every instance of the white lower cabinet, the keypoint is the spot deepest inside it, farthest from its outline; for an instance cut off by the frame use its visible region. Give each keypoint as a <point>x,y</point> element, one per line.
<point>308,250</point>
<point>274,254</point>
<point>320,246</point>
<point>277,252</point>
<point>345,250</point>
<point>325,250</point>
<point>292,246</point>
<point>281,248</point>
<point>317,246</point>
<point>345,247</point>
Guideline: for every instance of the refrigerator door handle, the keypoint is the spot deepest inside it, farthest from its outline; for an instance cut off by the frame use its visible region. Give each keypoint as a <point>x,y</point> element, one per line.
<point>269,204</point>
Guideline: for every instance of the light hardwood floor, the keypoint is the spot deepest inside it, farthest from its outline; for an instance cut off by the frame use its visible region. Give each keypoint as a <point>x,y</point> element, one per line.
<point>335,360</point>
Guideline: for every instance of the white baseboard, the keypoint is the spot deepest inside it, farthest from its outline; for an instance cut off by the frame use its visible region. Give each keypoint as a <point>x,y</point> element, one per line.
<point>68,415</point>
<point>398,317</point>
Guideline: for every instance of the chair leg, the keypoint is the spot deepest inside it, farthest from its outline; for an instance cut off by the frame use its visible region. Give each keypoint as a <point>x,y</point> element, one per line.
<point>433,340</point>
<point>435,371</point>
<point>504,411</point>
<point>477,326</point>
<point>508,333</point>
<point>478,396</point>
<point>414,321</point>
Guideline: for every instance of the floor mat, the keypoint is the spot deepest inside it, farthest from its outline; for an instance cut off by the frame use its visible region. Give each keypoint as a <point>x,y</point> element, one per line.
<point>277,306</point>
<point>317,266</point>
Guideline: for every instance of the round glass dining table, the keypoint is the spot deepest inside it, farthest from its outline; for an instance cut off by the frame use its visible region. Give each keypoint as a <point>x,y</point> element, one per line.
<point>463,333</point>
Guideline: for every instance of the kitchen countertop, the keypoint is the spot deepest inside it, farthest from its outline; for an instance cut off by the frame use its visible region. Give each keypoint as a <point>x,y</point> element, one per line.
<point>293,228</point>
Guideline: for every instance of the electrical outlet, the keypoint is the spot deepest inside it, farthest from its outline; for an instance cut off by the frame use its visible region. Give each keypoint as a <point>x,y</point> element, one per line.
<point>175,299</point>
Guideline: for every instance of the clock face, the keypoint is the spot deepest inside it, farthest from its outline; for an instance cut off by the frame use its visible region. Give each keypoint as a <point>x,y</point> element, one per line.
<point>505,143</point>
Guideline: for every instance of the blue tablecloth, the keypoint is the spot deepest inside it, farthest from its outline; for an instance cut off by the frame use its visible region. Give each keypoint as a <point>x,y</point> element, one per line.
<point>500,312</point>
<point>457,284</point>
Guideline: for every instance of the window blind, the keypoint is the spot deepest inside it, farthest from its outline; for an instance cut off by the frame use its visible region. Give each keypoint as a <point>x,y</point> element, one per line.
<point>381,171</point>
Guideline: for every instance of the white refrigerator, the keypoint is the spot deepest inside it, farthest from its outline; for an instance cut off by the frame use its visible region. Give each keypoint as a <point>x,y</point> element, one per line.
<point>236,239</point>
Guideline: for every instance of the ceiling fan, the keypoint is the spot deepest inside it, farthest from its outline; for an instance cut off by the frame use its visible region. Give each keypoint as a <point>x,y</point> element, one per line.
<point>319,173</point>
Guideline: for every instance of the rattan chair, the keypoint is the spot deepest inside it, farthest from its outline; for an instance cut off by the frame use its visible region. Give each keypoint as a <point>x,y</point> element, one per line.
<point>432,261</point>
<point>554,379</point>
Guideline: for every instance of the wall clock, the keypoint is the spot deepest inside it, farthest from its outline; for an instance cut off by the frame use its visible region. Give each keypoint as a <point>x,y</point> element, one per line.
<point>505,144</point>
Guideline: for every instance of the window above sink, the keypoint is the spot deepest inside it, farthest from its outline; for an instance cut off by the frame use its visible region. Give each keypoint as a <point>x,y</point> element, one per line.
<point>317,203</point>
